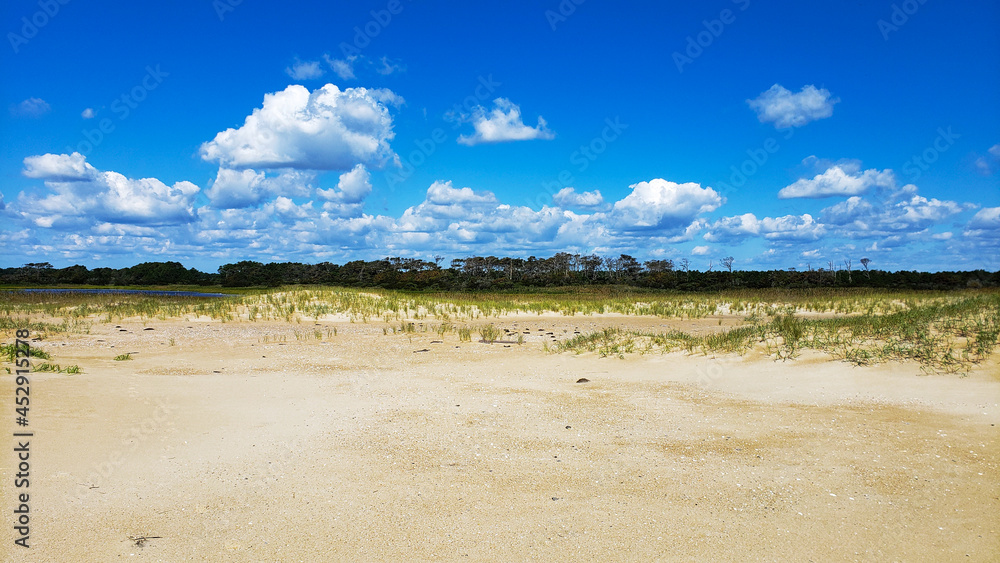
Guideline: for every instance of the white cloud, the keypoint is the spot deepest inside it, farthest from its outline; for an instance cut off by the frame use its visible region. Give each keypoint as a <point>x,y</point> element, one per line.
<point>58,167</point>
<point>237,188</point>
<point>664,205</point>
<point>327,129</point>
<point>987,219</point>
<point>347,200</point>
<point>838,180</point>
<point>80,192</point>
<point>87,113</point>
<point>780,106</point>
<point>388,66</point>
<point>788,227</point>
<point>734,228</point>
<point>304,70</point>
<point>568,197</point>
<point>792,227</point>
<point>701,251</point>
<point>502,124</point>
<point>32,107</point>
<point>901,211</point>
<point>233,189</point>
<point>353,187</point>
<point>343,67</point>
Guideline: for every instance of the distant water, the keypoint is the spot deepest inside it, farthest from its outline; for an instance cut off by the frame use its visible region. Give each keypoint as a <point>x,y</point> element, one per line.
<point>158,293</point>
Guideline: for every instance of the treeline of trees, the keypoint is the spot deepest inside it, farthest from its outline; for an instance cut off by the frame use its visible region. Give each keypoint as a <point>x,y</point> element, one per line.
<point>497,274</point>
<point>148,273</point>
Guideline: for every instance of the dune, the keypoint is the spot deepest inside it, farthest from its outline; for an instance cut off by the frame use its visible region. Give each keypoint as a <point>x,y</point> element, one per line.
<point>239,442</point>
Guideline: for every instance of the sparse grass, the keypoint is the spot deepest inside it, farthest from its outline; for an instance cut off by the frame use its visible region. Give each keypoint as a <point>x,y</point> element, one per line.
<point>123,357</point>
<point>56,368</point>
<point>489,333</point>
<point>947,335</point>
<point>943,331</point>
<point>10,352</point>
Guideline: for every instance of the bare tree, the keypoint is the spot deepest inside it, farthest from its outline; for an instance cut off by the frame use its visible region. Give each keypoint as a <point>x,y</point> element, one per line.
<point>864,264</point>
<point>847,262</point>
<point>685,265</point>
<point>728,263</point>
<point>709,266</point>
<point>657,266</point>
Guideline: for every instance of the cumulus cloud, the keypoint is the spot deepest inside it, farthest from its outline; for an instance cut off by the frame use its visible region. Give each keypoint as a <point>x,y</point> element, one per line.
<point>502,124</point>
<point>780,106</point>
<point>87,113</point>
<point>58,167</point>
<point>663,205</point>
<point>568,197</point>
<point>788,227</point>
<point>234,189</point>
<point>838,180</point>
<point>32,107</point>
<point>79,191</point>
<point>326,129</point>
<point>901,211</point>
<point>237,188</point>
<point>353,187</point>
<point>467,220</point>
<point>734,228</point>
<point>304,70</point>
<point>986,221</point>
<point>348,198</point>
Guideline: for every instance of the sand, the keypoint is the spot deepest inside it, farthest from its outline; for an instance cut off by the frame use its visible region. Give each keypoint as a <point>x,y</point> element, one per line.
<point>229,444</point>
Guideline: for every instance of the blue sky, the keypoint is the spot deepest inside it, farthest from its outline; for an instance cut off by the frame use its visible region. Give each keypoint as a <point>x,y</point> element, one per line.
<point>785,134</point>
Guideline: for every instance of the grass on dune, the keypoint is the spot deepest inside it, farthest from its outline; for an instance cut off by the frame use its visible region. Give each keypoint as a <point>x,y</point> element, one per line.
<point>946,331</point>
<point>942,334</point>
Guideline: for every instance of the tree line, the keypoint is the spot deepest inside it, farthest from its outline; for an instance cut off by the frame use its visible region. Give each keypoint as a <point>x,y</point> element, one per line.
<point>499,274</point>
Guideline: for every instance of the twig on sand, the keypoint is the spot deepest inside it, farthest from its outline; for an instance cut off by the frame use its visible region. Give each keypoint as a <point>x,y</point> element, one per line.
<point>140,541</point>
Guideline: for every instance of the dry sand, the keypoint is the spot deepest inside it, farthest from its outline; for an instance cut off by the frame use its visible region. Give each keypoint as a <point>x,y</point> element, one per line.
<point>232,446</point>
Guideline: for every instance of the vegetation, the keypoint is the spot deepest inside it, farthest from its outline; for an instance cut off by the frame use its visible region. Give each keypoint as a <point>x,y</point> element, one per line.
<point>943,334</point>
<point>945,331</point>
<point>10,352</point>
<point>491,273</point>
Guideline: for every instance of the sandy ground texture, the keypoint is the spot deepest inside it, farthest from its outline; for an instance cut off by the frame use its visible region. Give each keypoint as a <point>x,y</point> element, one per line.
<point>243,442</point>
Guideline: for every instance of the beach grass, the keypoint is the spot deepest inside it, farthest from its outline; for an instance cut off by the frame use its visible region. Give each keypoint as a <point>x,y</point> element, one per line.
<point>943,331</point>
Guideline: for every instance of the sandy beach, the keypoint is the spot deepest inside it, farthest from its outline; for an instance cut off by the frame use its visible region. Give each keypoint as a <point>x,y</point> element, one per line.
<point>245,442</point>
